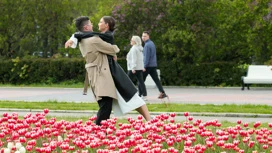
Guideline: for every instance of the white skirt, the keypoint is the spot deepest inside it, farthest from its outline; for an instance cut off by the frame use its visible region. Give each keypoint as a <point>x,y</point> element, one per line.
<point>121,107</point>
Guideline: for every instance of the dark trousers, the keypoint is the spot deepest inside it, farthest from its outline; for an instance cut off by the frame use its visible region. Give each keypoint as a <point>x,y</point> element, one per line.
<point>140,79</point>
<point>152,71</point>
<point>105,108</point>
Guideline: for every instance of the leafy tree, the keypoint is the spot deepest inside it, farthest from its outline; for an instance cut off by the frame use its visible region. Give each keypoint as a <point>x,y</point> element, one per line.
<point>103,8</point>
<point>190,31</point>
<point>135,16</point>
<point>28,26</point>
<point>259,36</point>
<point>11,30</point>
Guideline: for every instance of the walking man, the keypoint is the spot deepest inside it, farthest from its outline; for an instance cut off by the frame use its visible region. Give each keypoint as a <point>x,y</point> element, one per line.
<point>150,63</point>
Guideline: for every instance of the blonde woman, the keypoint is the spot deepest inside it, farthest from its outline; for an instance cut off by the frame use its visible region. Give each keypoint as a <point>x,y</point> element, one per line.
<point>135,64</point>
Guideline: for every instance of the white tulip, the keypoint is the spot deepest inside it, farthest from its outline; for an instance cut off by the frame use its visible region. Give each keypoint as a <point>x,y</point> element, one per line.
<point>60,138</point>
<point>22,150</point>
<point>7,150</point>
<point>18,145</point>
<point>10,145</point>
<point>17,151</point>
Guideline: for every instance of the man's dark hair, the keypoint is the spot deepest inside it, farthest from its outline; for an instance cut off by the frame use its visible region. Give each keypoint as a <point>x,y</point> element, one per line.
<point>147,32</point>
<point>110,21</point>
<point>81,22</point>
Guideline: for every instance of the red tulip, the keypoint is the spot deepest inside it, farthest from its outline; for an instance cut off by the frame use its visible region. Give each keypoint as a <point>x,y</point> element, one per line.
<point>257,124</point>
<point>29,147</point>
<point>188,143</point>
<point>5,114</point>
<point>265,147</point>
<point>190,118</point>
<point>172,114</point>
<point>170,142</point>
<point>140,117</point>
<point>22,139</point>
<point>209,144</point>
<point>172,120</point>
<point>46,111</point>
<point>164,151</point>
<point>245,124</point>
<point>2,135</point>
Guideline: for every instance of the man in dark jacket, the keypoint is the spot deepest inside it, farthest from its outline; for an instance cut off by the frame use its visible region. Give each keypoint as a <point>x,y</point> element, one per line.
<point>150,62</point>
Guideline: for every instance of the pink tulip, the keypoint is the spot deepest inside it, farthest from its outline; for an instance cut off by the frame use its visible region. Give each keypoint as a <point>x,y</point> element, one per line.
<point>172,120</point>
<point>29,148</point>
<point>172,114</point>
<point>245,124</point>
<point>164,151</point>
<point>257,124</point>
<point>190,118</point>
<point>209,144</point>
<point>46,111</point>
<point>265,147</point>
<point>251,144</point>
<point>186,114</point>
<point>188,143</point>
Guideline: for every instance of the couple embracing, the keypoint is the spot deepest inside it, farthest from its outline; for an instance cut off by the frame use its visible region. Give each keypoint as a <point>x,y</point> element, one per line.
<point>110,85</point>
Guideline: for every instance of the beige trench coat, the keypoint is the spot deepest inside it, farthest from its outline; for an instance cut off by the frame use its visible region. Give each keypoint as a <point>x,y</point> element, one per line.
<point>94,50</point>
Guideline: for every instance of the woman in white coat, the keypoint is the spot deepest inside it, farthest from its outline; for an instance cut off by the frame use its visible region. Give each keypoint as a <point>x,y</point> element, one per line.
<point>135,64</point>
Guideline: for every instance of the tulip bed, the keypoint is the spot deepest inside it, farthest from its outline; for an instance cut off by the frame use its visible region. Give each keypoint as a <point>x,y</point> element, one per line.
<point>36,133</point>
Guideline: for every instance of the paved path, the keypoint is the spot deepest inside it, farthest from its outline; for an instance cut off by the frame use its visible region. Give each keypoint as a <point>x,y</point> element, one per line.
<point>197,95</point>
<point>176,94</point>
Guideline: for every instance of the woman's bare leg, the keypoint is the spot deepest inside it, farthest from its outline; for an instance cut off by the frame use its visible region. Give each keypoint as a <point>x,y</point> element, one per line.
<point>143,110</point>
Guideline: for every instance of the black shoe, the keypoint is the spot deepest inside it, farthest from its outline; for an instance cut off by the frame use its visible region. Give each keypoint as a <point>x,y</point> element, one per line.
<point>162,95</point>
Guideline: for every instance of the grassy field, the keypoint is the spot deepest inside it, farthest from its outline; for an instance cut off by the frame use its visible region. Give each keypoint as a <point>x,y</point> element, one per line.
<point>66,84</point>
<point>54,105</point>
<point>209,108</point>
<point>224,124</point>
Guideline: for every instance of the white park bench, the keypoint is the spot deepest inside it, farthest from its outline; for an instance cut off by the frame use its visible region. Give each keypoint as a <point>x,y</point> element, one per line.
<point>257,74</point>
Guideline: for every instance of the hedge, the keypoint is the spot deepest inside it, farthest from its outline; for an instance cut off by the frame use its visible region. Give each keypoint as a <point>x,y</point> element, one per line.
<point>27,71</point>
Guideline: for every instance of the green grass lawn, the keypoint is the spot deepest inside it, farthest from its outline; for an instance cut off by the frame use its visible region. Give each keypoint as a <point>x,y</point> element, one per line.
<point>172,107</point>
<point>224,124</point>
<point>208,108</point>
<point>66,84</point>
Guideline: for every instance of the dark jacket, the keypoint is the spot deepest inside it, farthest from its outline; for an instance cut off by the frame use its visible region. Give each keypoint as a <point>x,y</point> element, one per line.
<point>150,57</point>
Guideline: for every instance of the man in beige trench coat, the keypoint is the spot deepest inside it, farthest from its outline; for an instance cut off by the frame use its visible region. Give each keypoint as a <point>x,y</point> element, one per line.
<point>95,51</point>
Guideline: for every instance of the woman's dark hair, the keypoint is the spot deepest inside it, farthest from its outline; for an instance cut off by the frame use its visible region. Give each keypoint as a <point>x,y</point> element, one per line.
<point>110,21</point>
<point>81,22</point>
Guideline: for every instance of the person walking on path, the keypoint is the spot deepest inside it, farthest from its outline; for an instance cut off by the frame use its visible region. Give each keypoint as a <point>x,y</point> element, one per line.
<point>150,63</point>
<point>135,65</point>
